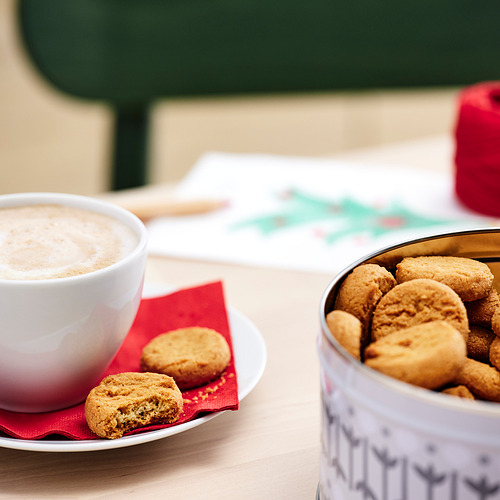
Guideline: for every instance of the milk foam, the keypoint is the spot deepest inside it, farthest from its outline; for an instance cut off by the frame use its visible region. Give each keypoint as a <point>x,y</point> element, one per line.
<point>56,241</point>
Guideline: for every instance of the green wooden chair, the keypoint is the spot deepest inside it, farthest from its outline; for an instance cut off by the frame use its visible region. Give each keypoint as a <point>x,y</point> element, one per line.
<point>132,53</point>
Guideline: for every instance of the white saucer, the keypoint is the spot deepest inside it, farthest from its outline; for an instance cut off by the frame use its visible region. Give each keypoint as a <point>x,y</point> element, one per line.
<point>250,357</point>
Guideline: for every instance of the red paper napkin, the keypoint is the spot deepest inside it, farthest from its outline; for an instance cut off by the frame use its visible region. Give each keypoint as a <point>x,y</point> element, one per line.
<point>199,306</point>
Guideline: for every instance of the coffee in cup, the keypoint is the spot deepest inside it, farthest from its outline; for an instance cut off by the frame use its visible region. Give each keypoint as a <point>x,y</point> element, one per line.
<point>57,241</point>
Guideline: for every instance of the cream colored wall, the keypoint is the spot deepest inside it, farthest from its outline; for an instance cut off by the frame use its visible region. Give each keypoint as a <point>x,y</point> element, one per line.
<point>50,142</point>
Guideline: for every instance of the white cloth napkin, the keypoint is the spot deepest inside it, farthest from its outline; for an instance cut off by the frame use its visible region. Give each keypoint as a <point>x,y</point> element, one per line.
<point>308,214</point>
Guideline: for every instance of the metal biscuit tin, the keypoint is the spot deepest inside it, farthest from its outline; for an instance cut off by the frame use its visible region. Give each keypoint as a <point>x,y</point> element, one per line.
<point>382,439</point>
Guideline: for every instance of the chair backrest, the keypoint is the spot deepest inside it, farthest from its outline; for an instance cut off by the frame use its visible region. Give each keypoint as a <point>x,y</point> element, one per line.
<point>130,53</point>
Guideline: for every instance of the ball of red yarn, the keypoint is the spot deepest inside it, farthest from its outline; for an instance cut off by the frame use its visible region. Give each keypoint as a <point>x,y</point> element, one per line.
<point>477,153</point>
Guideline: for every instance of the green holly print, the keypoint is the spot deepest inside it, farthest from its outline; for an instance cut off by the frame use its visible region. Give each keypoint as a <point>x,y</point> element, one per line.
<point>351,217</point>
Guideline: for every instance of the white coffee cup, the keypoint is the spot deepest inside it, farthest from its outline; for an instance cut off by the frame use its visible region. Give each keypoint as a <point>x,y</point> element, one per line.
<point>58,336</point>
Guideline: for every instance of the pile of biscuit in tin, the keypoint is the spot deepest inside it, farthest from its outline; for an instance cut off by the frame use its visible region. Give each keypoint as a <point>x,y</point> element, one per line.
<point>433,323</point>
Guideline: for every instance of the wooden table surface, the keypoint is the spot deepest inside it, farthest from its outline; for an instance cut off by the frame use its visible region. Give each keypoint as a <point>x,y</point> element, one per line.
<point>270,447</point>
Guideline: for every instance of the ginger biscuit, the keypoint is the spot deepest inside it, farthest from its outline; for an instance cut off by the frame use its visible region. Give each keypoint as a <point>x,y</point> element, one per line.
<point>347,329</point>
<point>481,379</point>
<point>494,353</point>
<point>495,322</point>
<point>130,400</point>
<point>469,278</point>
<point>415,302</point>
<point>480,312</point>
<point>361,291</point>
<point>427,355</point>
<point>459,391</point>
<point>192,356</point>
<point>479,342</point>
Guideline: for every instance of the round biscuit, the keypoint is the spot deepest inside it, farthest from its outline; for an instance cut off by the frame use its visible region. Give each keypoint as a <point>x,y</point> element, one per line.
<point>480,312</point>
<point>481,379</point>
<point>427,355</point>
<point>360,292</point>
<point>495,322</point>
<point>469,278</point>
<point>459,391</point>
<point>479,342</point>
<point>347,329</point>
<point>193,356</point>
<point>418,301</point>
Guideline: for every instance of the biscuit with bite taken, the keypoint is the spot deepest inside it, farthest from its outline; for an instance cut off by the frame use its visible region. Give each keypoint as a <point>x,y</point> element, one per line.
<point>127,401</point>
